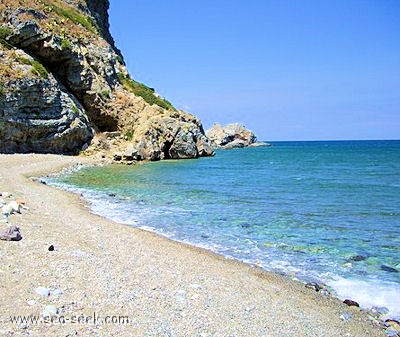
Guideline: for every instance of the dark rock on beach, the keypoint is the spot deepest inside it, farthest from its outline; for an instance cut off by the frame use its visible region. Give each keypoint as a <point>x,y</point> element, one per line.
<point>313,285</point>
<point>351,303</point>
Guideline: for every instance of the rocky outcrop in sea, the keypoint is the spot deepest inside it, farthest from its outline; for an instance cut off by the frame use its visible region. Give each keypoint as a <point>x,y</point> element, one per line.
<point>64,83</point>
<point>232,136</point>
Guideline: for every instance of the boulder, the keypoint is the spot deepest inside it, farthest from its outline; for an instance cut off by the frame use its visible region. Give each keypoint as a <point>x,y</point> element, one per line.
<point>231,136</point>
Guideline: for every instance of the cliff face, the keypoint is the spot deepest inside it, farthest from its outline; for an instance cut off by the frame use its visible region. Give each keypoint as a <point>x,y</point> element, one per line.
<point>63,83</point>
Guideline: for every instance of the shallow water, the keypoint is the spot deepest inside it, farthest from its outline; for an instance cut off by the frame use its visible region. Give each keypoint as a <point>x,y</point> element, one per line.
<point>301,208</point>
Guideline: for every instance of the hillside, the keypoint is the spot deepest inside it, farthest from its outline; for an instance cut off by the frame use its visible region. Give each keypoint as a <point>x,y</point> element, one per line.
<point>64,88</point>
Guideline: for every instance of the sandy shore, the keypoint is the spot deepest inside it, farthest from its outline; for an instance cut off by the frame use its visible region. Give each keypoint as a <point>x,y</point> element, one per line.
<point>164,288</point>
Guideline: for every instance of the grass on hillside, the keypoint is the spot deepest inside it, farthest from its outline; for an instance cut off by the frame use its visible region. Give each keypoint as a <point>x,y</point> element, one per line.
<point>4,32</point>
<point>38,68</point>
<point>74,15</point>
<point>148,94</point>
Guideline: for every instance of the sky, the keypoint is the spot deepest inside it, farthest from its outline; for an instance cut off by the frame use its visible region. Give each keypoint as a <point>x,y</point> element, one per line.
<point>286,69</point>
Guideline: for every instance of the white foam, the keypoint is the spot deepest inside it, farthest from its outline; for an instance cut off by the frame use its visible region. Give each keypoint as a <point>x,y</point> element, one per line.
<point>371,293</point>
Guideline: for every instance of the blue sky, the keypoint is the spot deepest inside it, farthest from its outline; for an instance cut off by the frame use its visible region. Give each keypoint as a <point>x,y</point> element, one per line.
<point>286,69</point>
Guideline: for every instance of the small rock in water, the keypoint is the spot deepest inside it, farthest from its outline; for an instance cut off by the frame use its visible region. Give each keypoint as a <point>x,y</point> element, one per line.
<point>11,234</point>
<point>51,248</point>
<point>50,310</point>
<point>313,285</point>
<point>358,258</point>
<point>351,303</point>
<point>42,291</point>
<point>389,269</point>
<point>111,194</point>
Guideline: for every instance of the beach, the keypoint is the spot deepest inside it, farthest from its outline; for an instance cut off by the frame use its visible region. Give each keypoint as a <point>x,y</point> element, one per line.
<point>137,283</point>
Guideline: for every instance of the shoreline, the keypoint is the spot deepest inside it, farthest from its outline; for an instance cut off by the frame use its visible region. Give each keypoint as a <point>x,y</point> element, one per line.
<point>163,285</point>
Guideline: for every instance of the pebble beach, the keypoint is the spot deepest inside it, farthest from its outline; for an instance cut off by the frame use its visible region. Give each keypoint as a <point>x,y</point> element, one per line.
<point>73,273</point>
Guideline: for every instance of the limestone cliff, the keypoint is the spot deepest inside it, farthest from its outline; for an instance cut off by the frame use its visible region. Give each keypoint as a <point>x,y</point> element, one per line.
<point>64,88</point>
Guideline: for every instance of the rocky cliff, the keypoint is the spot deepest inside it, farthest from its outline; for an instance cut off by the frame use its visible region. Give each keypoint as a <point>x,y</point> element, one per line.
<point>64,88</point>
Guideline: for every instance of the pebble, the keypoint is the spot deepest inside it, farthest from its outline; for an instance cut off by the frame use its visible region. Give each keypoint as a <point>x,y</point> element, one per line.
<point>180,296</point>
<point>351,303</point>
<point>31,302</point>
<point>377,311</point>
<point>79,253</point>
<point>51,248</point>
<point>346,316</point>
<point>313,285</point>
<point>50,310</point>
<point>11,234</point>
<point>57,292</point>
<point>42,291</point>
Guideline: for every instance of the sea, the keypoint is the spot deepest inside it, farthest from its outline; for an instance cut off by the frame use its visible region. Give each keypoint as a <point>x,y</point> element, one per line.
<point>316,211</point>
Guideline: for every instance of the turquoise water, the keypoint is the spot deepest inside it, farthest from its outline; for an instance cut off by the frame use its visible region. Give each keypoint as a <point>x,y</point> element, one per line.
<point>301,208</point>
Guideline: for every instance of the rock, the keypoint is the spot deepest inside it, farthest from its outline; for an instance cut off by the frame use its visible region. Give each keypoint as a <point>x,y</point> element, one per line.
<point>230,136</point>
<point>11,234</point>
<point>393,325</point>
<point>174,135</point>
<point>64,84</point>
<point>50,311</point>
<point>7,210</point>
<point>42,291</point>
<point>389,269</point>
<point>378,311</point>
<point>51,248</point>
<point>33,122</point>
<point>15,206</point>
<point>351,303</point>
<point>57,292</point>
<point>357,258</point>
<point>31,302</point>
<point>346,316</point>
<point>313,285</point>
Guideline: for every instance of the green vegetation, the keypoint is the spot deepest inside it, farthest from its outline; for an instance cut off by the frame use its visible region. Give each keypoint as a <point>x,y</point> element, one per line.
<point>75,16</point>
<point>4,32</point>
<point>65,44</point>
<point>120,59</point>
<point>105,94</point>
<point>139,89</point>
<point>129,135</point>
<point>38,68</point>
<point>75,109</point>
